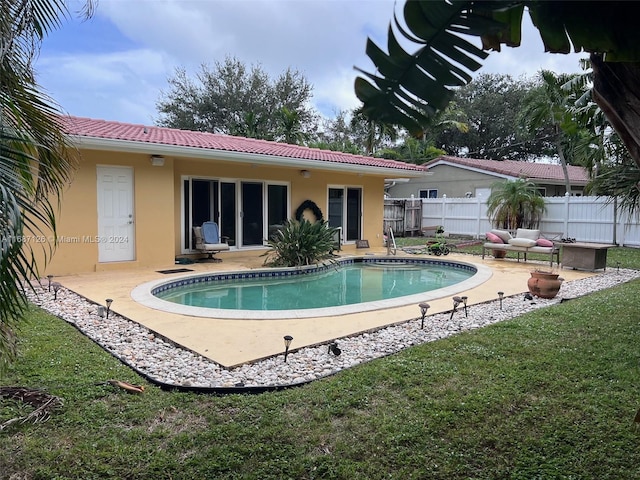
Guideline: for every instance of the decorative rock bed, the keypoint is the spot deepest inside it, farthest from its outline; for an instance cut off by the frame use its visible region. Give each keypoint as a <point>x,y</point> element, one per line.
<point>172,367</point>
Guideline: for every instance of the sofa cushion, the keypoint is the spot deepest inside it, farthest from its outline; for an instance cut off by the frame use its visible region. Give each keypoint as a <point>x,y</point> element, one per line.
<point>522,242</point>
<point>503,234</point>
<point>527,233</point>
<point>493,238</point>
<point>543,242</point>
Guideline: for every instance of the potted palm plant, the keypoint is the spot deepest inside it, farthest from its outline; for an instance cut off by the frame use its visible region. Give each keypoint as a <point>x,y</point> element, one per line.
<point>514,204</point>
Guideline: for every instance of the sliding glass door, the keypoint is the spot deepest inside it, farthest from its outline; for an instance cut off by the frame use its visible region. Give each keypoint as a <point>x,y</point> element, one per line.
<point>237,206</point>
<point>345,211</point>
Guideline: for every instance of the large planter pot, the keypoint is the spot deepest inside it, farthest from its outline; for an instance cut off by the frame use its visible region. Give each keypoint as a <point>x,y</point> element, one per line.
<point>499,253</point>
<point>544,284</point>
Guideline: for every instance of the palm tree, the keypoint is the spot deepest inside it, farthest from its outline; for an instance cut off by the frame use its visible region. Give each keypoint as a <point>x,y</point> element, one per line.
<point>35,161</point>
<point>290,126</point>
<point>515,204</point>
<point>549,104</point>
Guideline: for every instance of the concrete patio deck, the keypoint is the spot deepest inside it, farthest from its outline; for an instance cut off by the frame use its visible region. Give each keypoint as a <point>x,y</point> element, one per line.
<point>232,342</point>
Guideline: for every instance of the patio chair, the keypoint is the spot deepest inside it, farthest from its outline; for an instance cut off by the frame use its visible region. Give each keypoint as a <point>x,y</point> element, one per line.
<point>208,241</point>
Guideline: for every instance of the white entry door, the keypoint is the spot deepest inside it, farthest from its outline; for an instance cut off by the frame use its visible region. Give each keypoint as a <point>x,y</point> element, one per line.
<point>116,242</point>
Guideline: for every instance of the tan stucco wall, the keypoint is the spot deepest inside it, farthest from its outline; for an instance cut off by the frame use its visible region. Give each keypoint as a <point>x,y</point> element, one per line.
<point>314,188</point>
<point>158,206</point>
<point>77,217</point>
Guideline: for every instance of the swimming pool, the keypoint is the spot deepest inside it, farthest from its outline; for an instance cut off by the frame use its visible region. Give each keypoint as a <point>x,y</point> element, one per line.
<point>354,285</point>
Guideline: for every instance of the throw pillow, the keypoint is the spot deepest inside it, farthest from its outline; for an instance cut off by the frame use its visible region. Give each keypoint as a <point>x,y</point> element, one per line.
<point>527,233</point>
<point>543,242</point>
<point>503,234</point>
<point>493,238</point>
<point>522,242</point>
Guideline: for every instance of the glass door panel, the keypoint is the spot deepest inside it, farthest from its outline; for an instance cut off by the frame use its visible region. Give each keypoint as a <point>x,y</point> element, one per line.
<point>336,207</point>
<point>276,208</point>
<point>353,214</point>
<point>252,214</point>
<point>228,211</point>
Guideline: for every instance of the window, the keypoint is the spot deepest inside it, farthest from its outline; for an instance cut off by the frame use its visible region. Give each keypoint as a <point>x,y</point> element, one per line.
<point>431,193</point>
<point>244,210</point>
<point>345,211</point>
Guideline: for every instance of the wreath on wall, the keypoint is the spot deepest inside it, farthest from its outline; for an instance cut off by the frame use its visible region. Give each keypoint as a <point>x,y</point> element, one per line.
<point>309,205</point>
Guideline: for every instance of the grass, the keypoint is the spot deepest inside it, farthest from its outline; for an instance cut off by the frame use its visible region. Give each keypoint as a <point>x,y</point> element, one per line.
<point>550,394</point>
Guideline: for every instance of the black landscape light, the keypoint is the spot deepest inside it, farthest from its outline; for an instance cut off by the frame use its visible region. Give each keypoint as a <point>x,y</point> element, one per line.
<point>56,286</point>
<point>464,300</point>
<point>423,311</point>
<point>500,296</point>
<point>108,301</point>
<point>287,344</point>
<point>49,277</point>
<point>456,301</point>
<point>333,348</point>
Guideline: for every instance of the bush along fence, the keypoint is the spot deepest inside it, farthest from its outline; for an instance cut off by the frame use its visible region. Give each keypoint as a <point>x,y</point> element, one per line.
<point>585,219</point>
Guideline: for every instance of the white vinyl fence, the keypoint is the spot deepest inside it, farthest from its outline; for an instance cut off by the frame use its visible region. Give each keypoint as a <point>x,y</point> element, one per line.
<point>587,219</point>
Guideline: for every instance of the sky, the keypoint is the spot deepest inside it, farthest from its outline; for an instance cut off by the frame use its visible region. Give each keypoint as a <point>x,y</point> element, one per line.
<point>116,65</point>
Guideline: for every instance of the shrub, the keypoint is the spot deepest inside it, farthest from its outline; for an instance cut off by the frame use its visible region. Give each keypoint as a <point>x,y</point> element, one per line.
<point>300,243</point>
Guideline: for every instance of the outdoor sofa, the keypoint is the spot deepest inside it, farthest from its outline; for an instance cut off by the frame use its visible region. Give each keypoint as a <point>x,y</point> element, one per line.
<point>525,241</point>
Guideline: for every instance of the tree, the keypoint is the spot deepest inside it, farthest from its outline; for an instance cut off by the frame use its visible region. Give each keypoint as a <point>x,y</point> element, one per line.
<point>35,160</point>
<point>515,204</point>
<point>490,107</point>
<point>410,87</point>
<point>236,100</point>
<point>370,134</point>
<point>336,134</point>
<point>549,104</point>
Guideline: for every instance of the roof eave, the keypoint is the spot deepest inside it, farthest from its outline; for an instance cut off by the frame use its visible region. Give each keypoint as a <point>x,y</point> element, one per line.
<point>118,145</point>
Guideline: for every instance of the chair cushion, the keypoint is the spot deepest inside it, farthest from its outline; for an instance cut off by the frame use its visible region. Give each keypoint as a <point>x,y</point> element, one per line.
<point>493,238</point>
<point>526,233</point>
<point>543,242</point>
<point>503,234</point>
<point>210,232</point>
<point>522,242</point>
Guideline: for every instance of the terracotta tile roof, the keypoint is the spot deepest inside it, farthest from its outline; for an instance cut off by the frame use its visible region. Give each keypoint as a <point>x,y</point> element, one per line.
<point>513,168</point>
<point>103,129</point>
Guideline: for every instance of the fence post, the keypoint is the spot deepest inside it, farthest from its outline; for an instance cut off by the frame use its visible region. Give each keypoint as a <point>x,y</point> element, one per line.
<point>444,213</point>
<point>478,198</point>
<point>567,195</point>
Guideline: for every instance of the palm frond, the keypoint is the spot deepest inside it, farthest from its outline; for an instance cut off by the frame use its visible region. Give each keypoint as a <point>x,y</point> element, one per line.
<point>408,88</point>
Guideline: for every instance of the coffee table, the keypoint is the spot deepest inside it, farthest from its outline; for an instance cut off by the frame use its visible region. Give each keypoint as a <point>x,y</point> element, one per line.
<point>587,256</point>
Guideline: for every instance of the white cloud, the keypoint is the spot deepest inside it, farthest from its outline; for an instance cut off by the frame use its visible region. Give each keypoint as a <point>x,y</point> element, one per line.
<point>118,71</point>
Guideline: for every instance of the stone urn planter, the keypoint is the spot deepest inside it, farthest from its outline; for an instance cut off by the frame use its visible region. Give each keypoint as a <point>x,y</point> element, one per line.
<point>544,284</point>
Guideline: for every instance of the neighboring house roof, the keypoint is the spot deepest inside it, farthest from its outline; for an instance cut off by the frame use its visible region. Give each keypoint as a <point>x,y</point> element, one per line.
<point>537,172</point>
<point>108,135</point>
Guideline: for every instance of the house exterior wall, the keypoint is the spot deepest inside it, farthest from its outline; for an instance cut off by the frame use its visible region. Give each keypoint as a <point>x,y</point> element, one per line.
<point>158,206</point>
<point>314,188</point>
<point>77,221</point>
<point>447,180</point>
<point>455,182</point>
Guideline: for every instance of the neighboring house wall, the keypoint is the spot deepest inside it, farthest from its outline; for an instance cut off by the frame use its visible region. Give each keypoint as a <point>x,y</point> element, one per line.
<point>446,180</point>
<point>457,180</point>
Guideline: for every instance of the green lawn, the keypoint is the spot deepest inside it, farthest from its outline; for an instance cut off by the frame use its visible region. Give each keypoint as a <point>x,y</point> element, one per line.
<point>548,395</point>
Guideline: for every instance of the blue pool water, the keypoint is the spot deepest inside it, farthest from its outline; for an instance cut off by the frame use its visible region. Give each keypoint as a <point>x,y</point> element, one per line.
<point>347,284</point>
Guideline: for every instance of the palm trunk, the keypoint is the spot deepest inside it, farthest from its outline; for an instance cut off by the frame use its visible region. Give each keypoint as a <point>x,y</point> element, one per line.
<point>616,93</point>
<point>563,162</point>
